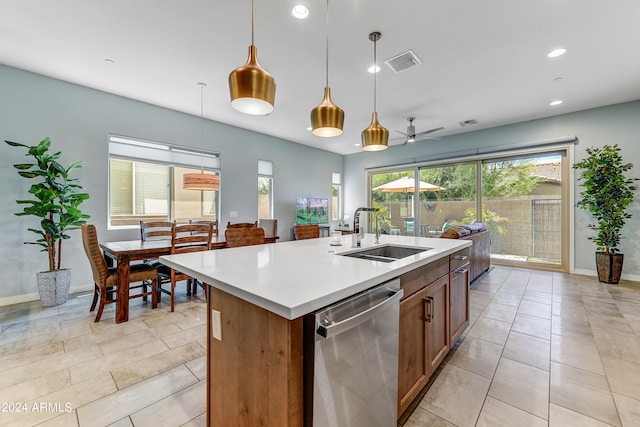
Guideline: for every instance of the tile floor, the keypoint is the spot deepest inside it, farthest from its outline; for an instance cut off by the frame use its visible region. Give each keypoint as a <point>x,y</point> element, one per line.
<point>543,349</point>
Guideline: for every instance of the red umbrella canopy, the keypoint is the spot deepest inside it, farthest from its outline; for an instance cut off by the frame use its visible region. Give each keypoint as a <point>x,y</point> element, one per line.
<point>406,184</point>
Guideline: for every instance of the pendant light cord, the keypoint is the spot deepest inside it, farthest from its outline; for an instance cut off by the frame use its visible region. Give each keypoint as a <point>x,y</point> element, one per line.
<point>253,8</point>
<point>202,85</point>
<point>327,48</point>
<point>375,73</point>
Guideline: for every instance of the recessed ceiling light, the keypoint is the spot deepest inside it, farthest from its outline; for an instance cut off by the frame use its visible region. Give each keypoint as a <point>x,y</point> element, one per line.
<point>556,52</point>
<point>373,69</point>
<point>356,145</point>
<point>556,102</point>
<point>300,11</point>
<point>309,128</point>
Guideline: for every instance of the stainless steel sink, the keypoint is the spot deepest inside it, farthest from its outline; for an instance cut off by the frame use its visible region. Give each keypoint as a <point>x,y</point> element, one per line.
<point>385,253</point>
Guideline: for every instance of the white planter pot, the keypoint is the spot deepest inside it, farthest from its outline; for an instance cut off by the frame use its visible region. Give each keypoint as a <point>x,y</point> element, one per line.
<point>53,287</point>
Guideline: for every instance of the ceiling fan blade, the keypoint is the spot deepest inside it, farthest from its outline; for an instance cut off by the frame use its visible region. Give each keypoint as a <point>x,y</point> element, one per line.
<point>429,138</point>
<point>427,132</point>
<point>401,133</point>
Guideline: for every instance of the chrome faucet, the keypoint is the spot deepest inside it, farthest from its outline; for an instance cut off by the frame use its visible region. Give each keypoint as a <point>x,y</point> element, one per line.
<point>359,231</point>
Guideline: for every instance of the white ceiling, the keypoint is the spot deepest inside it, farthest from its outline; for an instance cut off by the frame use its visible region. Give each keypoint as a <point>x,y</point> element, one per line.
<point>483,60</point>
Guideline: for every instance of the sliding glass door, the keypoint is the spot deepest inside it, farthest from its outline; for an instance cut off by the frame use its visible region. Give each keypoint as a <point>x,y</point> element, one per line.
<point>522,199</point>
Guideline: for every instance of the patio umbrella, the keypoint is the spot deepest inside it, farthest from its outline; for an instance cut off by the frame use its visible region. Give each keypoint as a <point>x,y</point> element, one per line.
<point>406,185</point>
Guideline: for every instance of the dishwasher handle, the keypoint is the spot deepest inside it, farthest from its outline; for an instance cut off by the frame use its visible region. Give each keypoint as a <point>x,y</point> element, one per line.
<point>335,328</point>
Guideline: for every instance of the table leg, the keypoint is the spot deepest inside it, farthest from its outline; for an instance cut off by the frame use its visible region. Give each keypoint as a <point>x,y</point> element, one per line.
<point>122,304</point>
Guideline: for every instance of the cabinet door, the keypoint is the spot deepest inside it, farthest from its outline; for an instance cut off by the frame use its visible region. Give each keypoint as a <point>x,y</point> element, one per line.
<point>413,366</point>
<point>459,302</point>
<point>438,322</point>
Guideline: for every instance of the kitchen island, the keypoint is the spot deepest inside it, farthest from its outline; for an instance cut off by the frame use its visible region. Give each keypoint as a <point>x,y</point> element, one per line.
<point>257,298</point>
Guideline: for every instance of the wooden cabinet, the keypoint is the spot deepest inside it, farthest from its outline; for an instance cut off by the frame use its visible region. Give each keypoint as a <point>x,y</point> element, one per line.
<point>424,339</point>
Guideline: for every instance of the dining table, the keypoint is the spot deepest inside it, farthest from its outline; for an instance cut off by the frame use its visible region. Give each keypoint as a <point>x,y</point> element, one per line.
<point>125,251</point>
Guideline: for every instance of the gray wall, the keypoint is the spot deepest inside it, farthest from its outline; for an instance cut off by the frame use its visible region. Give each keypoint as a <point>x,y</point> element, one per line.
<point>78,120</point>
<point>617,124</point>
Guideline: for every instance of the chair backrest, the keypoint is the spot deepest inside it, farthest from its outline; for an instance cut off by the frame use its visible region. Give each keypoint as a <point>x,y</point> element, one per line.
<point>214,224</point>
<point>242,224</point>
<point>155,230</point>
<point>96,259</point>
<point>247,236</point>
<point>191,238</point>
<point>301,232</point>
<point>270,226</point>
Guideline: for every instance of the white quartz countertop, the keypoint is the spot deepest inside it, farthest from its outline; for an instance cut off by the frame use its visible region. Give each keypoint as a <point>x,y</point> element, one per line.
<point>295,278</point>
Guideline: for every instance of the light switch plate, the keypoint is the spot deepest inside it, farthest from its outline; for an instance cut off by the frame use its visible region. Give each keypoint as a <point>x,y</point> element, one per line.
<point>233,214</point>
<point>216,325</point>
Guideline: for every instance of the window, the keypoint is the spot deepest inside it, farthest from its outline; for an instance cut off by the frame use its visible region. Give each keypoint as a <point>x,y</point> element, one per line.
<point>145,182</point>
<point>265,189</point>
<point>336,196</point>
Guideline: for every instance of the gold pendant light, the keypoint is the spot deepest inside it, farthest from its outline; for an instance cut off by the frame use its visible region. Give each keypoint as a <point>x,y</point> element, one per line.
<point>201,181</point>
<point>252,89</point>
<point>327,119</point>
<point>375,137</point>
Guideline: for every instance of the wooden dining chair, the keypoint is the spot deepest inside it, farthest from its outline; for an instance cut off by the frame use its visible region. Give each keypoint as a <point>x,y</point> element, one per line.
<point>270,226</point>
<point>214,224</point>
<point>155,230</point>
<point>106,279</point>
<point>185,238</point>
<point>242,224</point>
<point>302,232</point>
<point>236,237</point>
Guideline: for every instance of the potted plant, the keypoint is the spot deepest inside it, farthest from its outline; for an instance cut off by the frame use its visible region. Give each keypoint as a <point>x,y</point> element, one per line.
<point>607,194</point>
<point>56,197</point>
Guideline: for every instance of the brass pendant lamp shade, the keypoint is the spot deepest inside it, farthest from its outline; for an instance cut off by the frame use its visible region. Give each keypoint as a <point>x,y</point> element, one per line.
<point>375,137</point>
<point>327,119</point>
<point>201,181</point>
<point>252,89</point>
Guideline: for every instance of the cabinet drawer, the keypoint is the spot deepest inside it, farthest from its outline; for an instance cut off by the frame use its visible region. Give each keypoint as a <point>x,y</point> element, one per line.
<point>458,259</point>
<point>417,279</point>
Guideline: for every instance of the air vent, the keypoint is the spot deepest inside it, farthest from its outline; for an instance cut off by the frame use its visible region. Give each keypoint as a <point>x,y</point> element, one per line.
<point>403,61</point>
<point>468,122</point>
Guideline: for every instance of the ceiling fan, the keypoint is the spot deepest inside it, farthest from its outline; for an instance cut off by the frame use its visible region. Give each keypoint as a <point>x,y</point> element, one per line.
<point>411,135</point>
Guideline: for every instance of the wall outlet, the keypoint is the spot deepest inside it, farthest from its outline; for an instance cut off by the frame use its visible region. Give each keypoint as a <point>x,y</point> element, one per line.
<point>216,325</point>
<point>233,214</point>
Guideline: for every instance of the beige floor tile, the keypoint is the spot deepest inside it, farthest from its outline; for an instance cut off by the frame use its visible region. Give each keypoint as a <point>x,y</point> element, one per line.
<point>623,376</point>
<point>107,363</point>
<point>531,325</point>
<point>583,392</point>
<point>507,299</point>
<point>69,419</point>
<point>537,309</point>
<point>570,309</point>
<point>571,328</point>
<point>504,313</point>
<point>563,417</point>
<point>480,297</point>
<point>124,422</point>
<point>117,345</point>
<point>156,364</point>
<point>516,288</point>
<point>577,353</point>
<point>30,355</point>
<point>612,343</point>
<point>200,421</point>
<point>115,406</point>
<point>198,367</point>
<point>174,410</point>
<point>528,349</point>
<point>421,418</point>
<point>490,330</point>
<point>186,336</point>
<point>522,386</point>
<point>36,387</point>
<point>478,356</point>
<point>608,322</point>
<point>104,334</point>
<point>453,386</point>
<point>628,409</point>
<point>498,414</point>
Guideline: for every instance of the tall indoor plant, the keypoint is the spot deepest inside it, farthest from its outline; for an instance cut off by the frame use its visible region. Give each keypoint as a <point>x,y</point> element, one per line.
<point>607,194</point>
<point>56,197</point>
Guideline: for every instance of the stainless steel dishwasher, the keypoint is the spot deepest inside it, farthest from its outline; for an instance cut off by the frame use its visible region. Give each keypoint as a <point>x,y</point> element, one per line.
<point>353,360</point>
